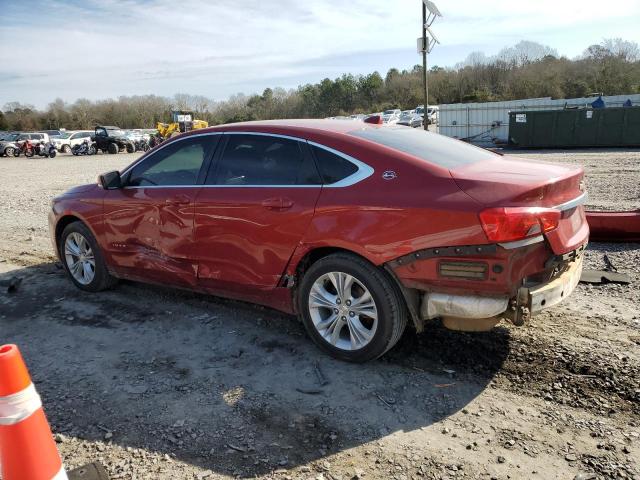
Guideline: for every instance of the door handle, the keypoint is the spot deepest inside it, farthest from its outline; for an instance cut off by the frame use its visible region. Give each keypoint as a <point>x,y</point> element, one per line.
<point>277,203</point>
<point>178,200</point>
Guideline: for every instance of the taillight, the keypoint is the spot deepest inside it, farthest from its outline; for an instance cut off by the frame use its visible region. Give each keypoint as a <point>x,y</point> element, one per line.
<point>375,119</point>
<point>506,224</point>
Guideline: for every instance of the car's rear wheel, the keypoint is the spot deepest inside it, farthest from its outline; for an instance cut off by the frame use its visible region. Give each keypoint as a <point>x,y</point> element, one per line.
<point>112,148</point>
<point>9,151</point>
<point>350,308</point>
<point>66,148</point>
<point>83,260</point>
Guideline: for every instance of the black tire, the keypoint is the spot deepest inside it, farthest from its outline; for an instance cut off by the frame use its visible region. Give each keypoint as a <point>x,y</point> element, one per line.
<point>130,148</point>
<point>113,148</point>
<point>392,311</point>
<point>29,153</point>
<point>52,154</point>
<point>66,148</point>
<point>102,279</point>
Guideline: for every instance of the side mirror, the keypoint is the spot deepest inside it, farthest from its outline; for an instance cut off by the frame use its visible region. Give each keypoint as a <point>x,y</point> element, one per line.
<point>110,180</point>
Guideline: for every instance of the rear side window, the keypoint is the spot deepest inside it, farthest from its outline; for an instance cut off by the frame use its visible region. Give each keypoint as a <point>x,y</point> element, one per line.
<point>333,168</point>
<point>263,160</point>
<point>431,147</point>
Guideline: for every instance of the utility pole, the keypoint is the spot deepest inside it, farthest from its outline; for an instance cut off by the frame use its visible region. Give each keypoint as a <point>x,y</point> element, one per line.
<point>427,43</point>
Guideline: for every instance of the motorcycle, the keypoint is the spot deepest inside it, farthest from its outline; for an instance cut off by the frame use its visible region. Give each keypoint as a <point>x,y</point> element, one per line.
<point>141,145</point>
<point>26,148</point>
<point>84,148</point>
<point>47,150</point>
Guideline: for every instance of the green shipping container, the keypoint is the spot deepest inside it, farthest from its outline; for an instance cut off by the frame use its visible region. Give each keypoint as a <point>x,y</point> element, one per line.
<point>584,127</point>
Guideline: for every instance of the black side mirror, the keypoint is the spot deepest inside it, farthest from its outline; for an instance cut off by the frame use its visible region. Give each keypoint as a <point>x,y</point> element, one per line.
<point>110,180</point>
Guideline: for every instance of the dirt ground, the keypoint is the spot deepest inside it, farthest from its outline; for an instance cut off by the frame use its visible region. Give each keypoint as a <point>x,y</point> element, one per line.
<point>163,384</point>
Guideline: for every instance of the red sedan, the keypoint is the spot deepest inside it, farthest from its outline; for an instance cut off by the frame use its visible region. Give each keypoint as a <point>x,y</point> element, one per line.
<point>356,228</point>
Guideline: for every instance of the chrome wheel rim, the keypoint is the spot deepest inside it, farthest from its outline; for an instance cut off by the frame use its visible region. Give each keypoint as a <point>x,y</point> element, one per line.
<point>343,311</point>
<point>9,151</point>
<point>80,259</point>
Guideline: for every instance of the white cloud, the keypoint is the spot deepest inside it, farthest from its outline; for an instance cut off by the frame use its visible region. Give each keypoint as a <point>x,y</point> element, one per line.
<point>111,47</point>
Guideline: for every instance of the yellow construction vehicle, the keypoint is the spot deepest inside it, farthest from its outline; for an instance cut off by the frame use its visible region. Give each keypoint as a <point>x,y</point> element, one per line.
<point>182,122</point>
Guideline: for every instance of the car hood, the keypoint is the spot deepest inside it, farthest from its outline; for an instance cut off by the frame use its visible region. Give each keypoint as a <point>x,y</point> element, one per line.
<point>81,189</point>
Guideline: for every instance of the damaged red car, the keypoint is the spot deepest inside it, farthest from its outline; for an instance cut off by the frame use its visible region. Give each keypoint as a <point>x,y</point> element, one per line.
<point>356,228</point>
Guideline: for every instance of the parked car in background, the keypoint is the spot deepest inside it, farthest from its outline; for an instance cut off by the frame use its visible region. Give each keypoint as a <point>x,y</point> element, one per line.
<point>66,141</point>
<point>393,224</point>
<point>9,144</point>
<point>410,119</point>
<point>433,114</point>
<point>394,111</point>
<point>390,119</point>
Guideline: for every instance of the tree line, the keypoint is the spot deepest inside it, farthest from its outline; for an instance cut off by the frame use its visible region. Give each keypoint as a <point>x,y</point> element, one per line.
<point>526,70</point>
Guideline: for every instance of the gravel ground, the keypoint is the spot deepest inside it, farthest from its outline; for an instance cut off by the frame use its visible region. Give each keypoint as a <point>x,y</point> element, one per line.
<point>163,384</point>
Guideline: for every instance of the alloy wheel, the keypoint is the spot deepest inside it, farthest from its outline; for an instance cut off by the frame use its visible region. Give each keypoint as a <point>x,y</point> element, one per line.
<point>343,311</point>
<point>80,259</point>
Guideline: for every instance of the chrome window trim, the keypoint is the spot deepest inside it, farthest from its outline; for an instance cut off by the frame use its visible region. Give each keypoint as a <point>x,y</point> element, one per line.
<point>573,203</point>
<point>364,171</point>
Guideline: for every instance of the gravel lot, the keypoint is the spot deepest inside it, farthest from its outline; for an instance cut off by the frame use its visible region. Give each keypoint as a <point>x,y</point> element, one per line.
<point>163,384</point>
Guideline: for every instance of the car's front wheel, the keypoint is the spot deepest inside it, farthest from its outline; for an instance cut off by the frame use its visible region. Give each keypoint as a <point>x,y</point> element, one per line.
<point>112,148</point>
<point>350,308</point>
<point>83,260</point>
<point>66,149</point>
<point>9,151</point>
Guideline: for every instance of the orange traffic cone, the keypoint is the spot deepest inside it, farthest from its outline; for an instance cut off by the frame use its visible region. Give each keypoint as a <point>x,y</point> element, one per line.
<point>27,450</point>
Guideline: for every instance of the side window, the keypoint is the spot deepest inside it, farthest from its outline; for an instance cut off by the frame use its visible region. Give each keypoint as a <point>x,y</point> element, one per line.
<point>263,160</point>
<point>101,132</point>
<point>333,168</point>
<point>178,163</point>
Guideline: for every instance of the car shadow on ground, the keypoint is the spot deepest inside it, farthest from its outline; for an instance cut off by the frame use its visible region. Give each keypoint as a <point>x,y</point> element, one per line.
<point>224,385</point>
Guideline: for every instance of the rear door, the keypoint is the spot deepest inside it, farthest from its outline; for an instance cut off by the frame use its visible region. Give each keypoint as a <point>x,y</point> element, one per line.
<point>149,222</point>
<point>257,202</point>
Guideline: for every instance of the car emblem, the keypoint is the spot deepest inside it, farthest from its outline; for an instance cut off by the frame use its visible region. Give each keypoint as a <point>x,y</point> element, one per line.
<point>389,175</point>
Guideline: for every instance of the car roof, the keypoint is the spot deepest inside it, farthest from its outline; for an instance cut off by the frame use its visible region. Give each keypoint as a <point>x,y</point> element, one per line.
<point>293,126</point>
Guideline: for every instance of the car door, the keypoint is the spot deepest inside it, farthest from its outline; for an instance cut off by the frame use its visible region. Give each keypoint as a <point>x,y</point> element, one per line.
<point>149,222</point>
<point>257,202</point>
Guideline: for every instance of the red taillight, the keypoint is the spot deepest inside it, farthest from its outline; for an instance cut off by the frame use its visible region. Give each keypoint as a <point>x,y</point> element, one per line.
<point>375,119</point>
<point>506,224</point>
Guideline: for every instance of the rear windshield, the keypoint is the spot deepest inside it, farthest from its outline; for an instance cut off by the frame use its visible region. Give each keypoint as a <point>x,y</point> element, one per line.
<point>431,147</point>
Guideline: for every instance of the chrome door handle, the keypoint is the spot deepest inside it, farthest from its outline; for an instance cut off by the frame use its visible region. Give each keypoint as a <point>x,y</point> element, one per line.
<point>277,203</point>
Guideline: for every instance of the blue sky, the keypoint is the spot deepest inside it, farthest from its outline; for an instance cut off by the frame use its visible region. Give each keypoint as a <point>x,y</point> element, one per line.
<point>106,48</point>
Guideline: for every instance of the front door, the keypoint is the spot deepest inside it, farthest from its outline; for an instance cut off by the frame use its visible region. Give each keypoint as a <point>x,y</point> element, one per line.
<point>257,202</point>
<point>149,222</point>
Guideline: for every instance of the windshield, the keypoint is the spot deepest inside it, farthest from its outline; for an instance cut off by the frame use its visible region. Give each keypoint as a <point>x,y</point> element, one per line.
<point>62,136</point>
<point>420,110</point>
<point>431,147</point>
<point>389,112</point>
<point>115,133</point>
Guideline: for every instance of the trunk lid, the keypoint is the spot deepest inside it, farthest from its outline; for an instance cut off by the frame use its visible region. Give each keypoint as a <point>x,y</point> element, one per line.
<point>510,182</point>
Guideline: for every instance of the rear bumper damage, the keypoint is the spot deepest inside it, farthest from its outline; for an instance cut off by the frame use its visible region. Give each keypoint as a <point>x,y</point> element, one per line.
<point>530,299</point>
<point>469,307</point>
